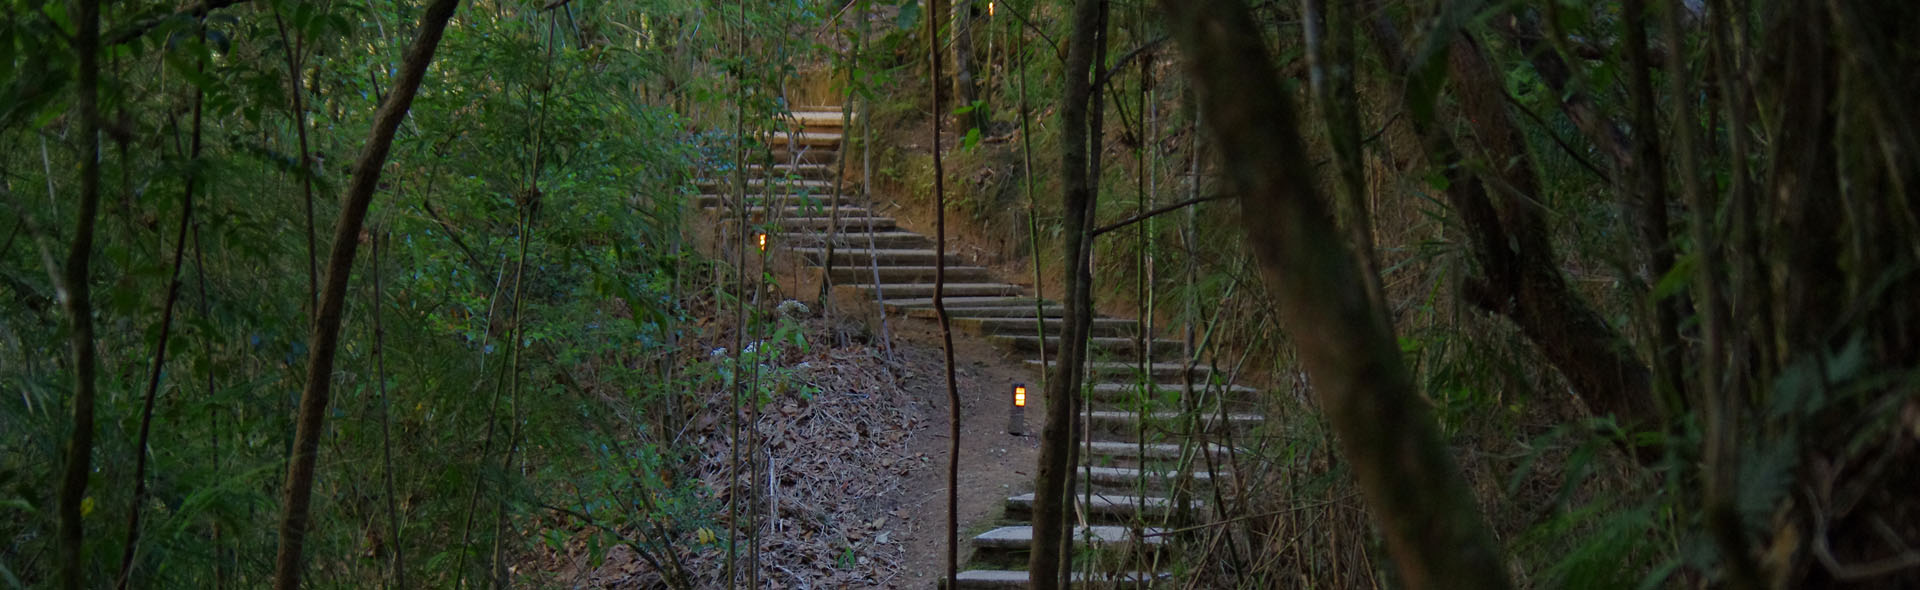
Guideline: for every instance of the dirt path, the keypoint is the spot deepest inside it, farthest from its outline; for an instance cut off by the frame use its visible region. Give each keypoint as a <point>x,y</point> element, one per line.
<point>993,464</point>
<point>1148,446</point>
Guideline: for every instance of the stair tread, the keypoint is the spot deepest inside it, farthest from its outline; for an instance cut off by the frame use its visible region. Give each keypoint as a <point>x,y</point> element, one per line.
<point>1053,322</point>
<point>883,235</point>
<point>1021,536</point>
<point>806,138</point>
<point>1017,579</point>
<point>957,303</point>
<point>819,117</point>
<point>1122,415</point>
<point>1099,473</point>
<point>1100,340</point>
<point>761,181</point>
<point>863,251</point>
<point>1116,366</point>
<point>1170,387</point>
<point>1109,502</point>
<point>930,268</point>
<point>1153,450</point>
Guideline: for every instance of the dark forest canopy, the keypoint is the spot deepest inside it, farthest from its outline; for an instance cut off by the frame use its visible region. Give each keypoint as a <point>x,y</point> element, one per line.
<point>1540,293</point>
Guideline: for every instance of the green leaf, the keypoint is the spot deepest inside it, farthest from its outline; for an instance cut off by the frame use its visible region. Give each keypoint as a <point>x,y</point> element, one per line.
<point>971,141</point>
<point>1677,278</point>
<point>909,15</point>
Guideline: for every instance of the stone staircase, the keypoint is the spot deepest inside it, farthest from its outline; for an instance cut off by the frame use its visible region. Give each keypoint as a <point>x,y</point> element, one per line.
<point>1142,470</point>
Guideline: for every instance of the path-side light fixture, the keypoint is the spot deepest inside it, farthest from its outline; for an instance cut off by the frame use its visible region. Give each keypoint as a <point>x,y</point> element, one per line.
<point>1017,413</point>
<point>762,239</point>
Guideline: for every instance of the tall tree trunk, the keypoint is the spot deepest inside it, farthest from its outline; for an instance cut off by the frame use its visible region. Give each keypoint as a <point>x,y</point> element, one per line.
<point>1649,210</point>
<point>78,298</point>
<point>326,329</point>
<point>1509,236</point>
<point>1048,562</point>
<point>1433,531</point>
<point>965,89</point>
<point>1524,281</point>
<point>940,308</point>
<point>1329,33</point>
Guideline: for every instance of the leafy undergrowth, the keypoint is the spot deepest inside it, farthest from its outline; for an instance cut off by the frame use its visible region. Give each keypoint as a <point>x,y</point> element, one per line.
<point>834,448</point>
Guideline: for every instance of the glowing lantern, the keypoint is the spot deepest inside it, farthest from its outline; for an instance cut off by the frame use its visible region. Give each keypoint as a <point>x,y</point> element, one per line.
<point>1017,413</point>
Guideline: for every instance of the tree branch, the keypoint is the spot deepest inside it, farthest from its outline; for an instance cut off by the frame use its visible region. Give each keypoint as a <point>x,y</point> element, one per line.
<point>298,488</point>
<point>1156,212</point>
<point>142,27</point>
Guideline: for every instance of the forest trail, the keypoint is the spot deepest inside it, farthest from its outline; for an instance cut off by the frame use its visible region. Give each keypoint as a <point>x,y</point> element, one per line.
<point>1139,478</point>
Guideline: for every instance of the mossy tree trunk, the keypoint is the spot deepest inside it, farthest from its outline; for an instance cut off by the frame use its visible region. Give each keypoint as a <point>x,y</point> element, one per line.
<point>1433,530</point>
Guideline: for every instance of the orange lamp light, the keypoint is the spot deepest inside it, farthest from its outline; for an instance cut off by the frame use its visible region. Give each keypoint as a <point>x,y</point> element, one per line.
<point>1019,396</point>
<point>763,241</point>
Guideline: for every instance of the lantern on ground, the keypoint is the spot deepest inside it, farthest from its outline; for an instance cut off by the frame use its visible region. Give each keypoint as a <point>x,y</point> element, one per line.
<point>1017,413</point>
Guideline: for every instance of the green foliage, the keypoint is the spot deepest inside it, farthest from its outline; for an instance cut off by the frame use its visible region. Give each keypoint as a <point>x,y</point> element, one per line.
<point>517,387</point>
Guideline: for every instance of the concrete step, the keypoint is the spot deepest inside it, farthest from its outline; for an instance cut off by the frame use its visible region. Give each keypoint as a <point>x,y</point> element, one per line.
<point>806,139</point>
<point>1097,346</point>
<point>977,579</point>
<point>757,185</point>
<point>1106,507</point>
<point>1021,537</point>
<point>860,255</point>
<point>1114,391</point>
<point>1160,371</point>
<point>757,214</point>
<point>725,202</point>
<point>1024,326</point>
<point>894,238</point>
<point>1131,451</point>
<point>1051,309</point>
<point>863,275</point>
<point>923,307</point>
<point>925,290</point>
<point>757,170</point>
<point>805,155</point>
<point>1125,421</point>
<point>1012,545</point>
<point>844,223</point>
<point>1125,477</point>
<point>819,117</point>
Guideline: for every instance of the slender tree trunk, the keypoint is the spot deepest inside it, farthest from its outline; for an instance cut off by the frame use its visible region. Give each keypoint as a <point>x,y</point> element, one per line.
<point>78,298</point>
<point>1033,211</point>
<point>326,329</point>
<point>399,562</point>
<point>965,89</point>
<point>742,244</point>
<point>1433,531</point>
<point>1048,562</point>
<point>1080,299</point>
<point>160,347</point>
<point>940,307</point>
<point>291,46</point>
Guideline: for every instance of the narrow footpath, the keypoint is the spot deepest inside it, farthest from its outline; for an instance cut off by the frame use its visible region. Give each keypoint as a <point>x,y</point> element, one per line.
<point>1142,475</point>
